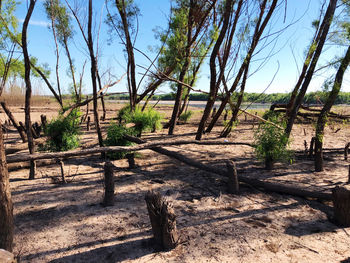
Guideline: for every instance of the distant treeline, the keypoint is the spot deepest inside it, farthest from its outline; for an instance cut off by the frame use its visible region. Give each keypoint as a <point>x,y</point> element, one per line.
<point>310,98</point>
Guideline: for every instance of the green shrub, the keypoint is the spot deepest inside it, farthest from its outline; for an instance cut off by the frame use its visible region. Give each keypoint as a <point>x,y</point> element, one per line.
<point>186,116</point>
<point>271,143</point>
<point>63,132</point>
<point>148,120</point>
<point>115,137</point>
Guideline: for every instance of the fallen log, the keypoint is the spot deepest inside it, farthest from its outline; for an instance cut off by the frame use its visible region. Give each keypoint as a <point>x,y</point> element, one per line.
<point>21,146</point>
<point>148,145</point>
<point>273,187</point>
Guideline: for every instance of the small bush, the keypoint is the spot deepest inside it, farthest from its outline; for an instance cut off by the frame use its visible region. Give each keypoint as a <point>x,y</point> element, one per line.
<point>148,120</point>
<point>271,143</point>
<point>115,137</point>
<point>63,132</point>
<point>185,117</point>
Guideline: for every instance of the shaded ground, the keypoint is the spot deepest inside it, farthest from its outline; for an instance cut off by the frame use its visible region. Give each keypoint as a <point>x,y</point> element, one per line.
<point>66,223</point>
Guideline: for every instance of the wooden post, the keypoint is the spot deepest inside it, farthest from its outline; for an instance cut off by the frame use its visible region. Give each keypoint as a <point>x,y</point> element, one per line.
<point>349,175</point>
<point>305,146</point>
<point>88,124</point>
<point>6,206</point>
<point>6,257</point>
<point>225,116</point>
<point>214,112</point>
<point>312,143</point>
<point>43,122</point>
<point>14,122</point>
<point>163,220</point>
<point>346,151</point>
<point>131,160</point>
<point>61,164</point>
<point>341,203</point>
<point>233,184</point>
<point>108,199</point>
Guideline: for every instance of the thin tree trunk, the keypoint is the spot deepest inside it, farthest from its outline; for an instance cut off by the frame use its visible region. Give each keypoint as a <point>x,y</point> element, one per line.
<point>28,95</point>
<point>327,20</point>
<point>322,119</point>
<point>6,206</point>
<point>93,76</point>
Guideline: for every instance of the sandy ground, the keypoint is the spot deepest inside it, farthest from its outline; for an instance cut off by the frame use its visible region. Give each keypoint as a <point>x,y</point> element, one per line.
<point>66,223</point>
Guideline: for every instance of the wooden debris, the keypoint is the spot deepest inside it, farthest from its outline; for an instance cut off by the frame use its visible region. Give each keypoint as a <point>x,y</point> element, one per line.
<point>108,199</point>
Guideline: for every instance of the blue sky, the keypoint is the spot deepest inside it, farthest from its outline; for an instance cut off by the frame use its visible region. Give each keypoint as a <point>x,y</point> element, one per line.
<point>154,13</point>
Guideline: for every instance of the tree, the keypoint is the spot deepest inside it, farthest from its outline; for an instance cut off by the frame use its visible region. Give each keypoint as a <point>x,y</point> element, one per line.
<point>196,16</point>
<point>318,46</point>
<point>28,95</point>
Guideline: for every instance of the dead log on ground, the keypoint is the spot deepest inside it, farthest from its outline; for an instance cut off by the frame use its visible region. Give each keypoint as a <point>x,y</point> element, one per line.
<point>163,220</point>
<point>273,187</point>
<point>108,199</point>
<point>41,156</point>
<point>341,202</point>
<point>22,146</point>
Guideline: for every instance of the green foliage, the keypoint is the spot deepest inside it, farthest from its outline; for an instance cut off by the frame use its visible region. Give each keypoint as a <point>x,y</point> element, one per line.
<point>148,120</point>
<point>186,116</point>
<point>271,142</point>
<point>63,132</point>
<point>115,137</point>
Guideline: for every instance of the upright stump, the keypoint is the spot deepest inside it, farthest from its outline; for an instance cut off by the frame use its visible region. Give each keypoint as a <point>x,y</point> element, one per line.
<point>108,199</point>
<point>233,184</point>
<point>163,220</point>
<point>341,203</point>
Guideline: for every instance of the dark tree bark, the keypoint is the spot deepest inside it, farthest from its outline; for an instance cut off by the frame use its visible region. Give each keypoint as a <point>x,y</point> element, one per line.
<point>93,76</point>
<point>163,220</point>
<point>108,199</point>
<point>14,121</point>
<point>322,119</point>
<point>341,203</point>
<point>6,206</point>
<point>346,151</point>
<point>28,95</point>
<point>327,20</point>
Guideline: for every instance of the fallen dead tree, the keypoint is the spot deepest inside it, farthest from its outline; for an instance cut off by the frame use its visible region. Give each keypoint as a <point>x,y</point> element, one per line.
<point>21,146</point>
<point>52,155</point>
<point>273,187</point>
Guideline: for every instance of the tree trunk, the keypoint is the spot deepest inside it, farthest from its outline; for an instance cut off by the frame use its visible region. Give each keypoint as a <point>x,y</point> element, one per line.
<point>108,199</point>
<point>213,77</point>
<point>327,20</point>
<point>322,119</point>
<point>163,220</point>
<point>14,121</point>
<point>93,76</point>
<point>6,206</point>
<point>341,203</point>
<point>28,95</point>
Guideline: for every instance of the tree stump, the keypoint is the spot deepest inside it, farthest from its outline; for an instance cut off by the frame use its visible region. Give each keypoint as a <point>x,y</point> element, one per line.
<point>6,206</point>
<point>88,124</point>
<point>43,121</point>
<point>341,203</point>
<point>108,199</point>
<point>131,160</point>
<point>312,144</point>
<point>346,151</point>
<point>7,257</point>
<point>61,164</point>
<point>163,220</point>
<point>233,184</point>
